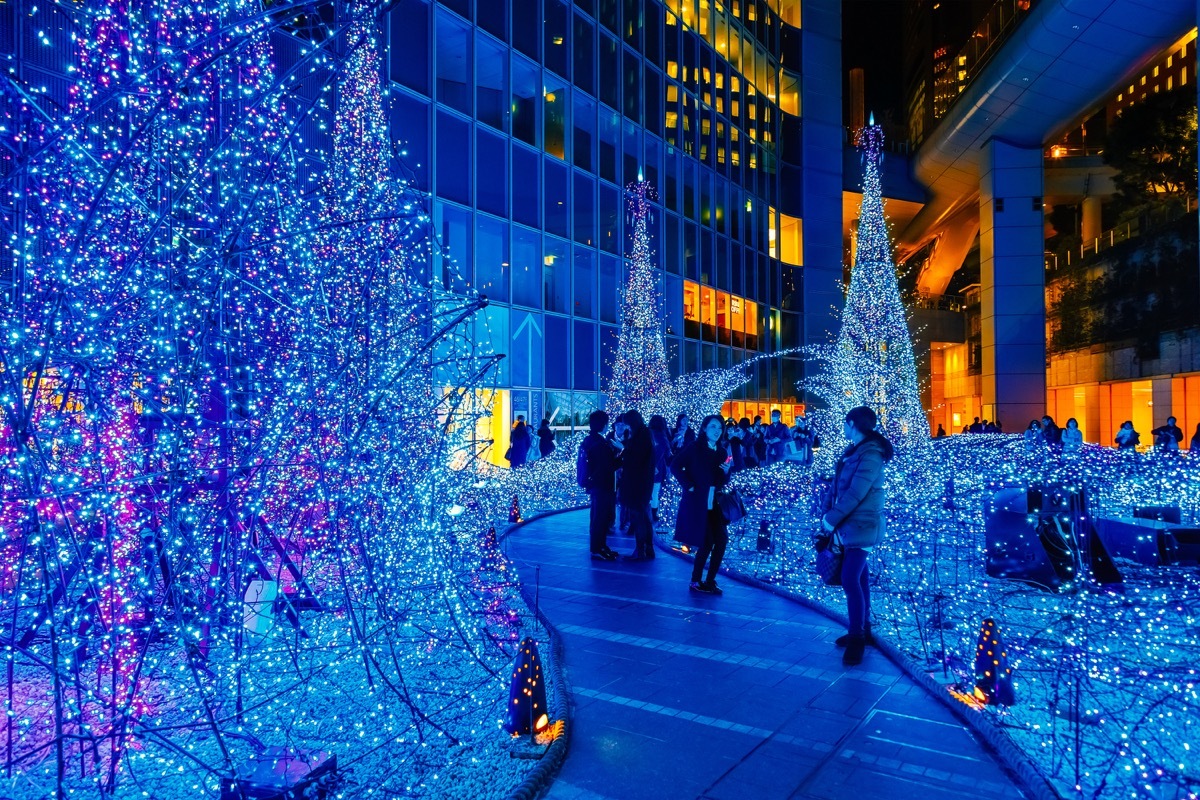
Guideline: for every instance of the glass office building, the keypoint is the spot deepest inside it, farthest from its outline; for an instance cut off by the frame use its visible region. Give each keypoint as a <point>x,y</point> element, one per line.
<point>525,119</point>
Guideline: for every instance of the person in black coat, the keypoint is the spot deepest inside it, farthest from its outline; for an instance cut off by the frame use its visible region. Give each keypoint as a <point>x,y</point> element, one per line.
<point>1167,438</point>
<point>1051,433</point>
<point>662,456</point>
<point>519,443</point>
<point>595,471</point>
<point>683,435</point>
<point>702,468</point>
<point>636,485</point>
<point>545,439</point>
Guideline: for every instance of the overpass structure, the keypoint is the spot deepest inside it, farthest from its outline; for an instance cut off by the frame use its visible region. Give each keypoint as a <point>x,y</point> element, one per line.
<point>986,174</point>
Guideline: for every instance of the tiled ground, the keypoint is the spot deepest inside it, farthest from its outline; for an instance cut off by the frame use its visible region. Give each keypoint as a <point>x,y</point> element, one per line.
<point>679,695</point>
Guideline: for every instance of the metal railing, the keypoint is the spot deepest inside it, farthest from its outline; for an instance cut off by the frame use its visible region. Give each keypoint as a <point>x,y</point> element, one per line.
<point>1122,233</point>
<point>992,31</point>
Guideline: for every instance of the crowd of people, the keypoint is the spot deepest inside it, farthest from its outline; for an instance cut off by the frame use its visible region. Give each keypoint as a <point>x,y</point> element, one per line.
<point>1044,433</point>
<point>623,468</point>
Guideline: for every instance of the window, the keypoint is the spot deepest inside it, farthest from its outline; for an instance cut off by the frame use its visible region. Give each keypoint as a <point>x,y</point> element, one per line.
<point>556,272</point>
<point>585,54</point>
<point>670,246</point>
<point>556,30</point>
<point>653,18</point>
<point>673,297</point>
<point>453,226</point>
<point>652,93</point>
<point>557,209</point>
<point>453,62</point>
<point>584,280</point>
<point>672,195</point>
<point>610,71</point>
<point>558,352</point>
<point>491,83</point>
<point>633,87</point>
<point>652,163</point>
<point>526,267</point>
<point>610,15</point>
<point>526,207</point>
<point>585,209</point>
<point>526,96</point>
<point>583,148</point>
<point>491,258</point>
<point>492,16</point>
<point>584,376</point>
<point>454,158</point>
<point>610,147</point>
<point>410,36</point>
<point>609,296</point>
<point>491,172</point>
<point>410,125</point>
<point>633,24</point>
<point>633,152</point>
<point>526,24</point>
<point>791,240</point>
<point>609,218</point>
<point>556,100</point>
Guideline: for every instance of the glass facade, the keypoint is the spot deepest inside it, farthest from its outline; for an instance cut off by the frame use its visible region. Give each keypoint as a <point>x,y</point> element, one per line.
<point>525,119</point>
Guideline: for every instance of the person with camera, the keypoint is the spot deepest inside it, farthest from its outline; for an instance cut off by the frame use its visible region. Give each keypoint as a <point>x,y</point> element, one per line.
<point>1167,438</point>
<point>854,516</point>
<point>702,469</point>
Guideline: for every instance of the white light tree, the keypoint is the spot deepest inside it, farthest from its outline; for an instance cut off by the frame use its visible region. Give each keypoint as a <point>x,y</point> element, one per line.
<point>872,361</point>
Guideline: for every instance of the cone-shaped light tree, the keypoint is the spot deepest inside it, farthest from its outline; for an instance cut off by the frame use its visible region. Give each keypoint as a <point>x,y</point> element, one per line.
<point>872,362</point>
<point>640,371</point>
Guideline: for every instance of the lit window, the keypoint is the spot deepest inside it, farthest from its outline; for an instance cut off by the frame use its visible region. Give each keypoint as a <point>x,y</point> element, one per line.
<point>791,240</point>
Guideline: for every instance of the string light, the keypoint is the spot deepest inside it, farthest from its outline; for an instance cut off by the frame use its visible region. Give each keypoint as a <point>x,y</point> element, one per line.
<point>217,361</point>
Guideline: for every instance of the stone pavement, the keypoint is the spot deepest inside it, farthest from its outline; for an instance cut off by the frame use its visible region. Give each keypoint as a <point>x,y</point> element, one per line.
<point>680,695</point>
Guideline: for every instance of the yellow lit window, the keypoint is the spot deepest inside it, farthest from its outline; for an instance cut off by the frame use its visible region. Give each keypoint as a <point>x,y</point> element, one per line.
<point>791,240</point>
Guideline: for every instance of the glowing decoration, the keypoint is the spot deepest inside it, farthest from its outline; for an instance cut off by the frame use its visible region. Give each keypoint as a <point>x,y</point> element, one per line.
<point>223,464</point>
<point>640,373</point>
<point>527,711</point>
<point>872,362</point>
<point>993,675</point>
<point>514,510</point>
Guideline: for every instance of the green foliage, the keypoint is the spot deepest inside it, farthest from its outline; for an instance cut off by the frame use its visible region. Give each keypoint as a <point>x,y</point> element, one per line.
<point>1153,145</point>
<point>1135,291</point>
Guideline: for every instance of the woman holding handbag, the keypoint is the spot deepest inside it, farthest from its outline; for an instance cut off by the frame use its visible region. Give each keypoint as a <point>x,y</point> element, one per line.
<point>854,515</point>
<point>702,468</point>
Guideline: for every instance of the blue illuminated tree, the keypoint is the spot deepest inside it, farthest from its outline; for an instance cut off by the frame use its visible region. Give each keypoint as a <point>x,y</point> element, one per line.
<point>872,361</point>
<point>640,373</point>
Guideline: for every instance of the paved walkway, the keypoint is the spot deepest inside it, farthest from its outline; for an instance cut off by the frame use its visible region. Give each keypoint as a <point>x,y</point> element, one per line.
<point>678,695</point>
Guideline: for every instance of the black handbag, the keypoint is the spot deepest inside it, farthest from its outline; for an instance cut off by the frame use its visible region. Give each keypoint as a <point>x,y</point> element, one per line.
<point>730,504</point>
<point>829,559</point>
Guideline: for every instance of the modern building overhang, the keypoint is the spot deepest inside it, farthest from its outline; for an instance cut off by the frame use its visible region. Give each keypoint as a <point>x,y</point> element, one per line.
<point>1056,68</point>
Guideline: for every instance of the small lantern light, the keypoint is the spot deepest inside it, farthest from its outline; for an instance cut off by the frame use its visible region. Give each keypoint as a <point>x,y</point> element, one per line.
<point>765,545</point>
<point>527,693</point>
<point>993,675</point>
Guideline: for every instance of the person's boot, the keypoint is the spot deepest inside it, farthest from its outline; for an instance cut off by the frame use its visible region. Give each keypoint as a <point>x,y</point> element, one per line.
<point>843,641</point>
<point>853,655</point>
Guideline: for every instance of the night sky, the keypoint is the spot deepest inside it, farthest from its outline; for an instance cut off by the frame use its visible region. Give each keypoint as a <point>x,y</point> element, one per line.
<point>871,39</point>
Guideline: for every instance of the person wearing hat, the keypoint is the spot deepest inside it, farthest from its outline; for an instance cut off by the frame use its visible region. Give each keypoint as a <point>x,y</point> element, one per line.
<point>854,515</point>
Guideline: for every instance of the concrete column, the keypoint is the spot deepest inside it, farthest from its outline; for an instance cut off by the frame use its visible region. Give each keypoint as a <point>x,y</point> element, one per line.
<point>1092,227</point>
<point>1012,284</point>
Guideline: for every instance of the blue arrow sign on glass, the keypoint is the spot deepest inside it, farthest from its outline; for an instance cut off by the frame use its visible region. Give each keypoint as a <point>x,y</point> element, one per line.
<point>527,350</point>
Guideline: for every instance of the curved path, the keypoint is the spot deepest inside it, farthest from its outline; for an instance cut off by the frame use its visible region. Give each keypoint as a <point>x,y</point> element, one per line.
<point>678,695</point>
